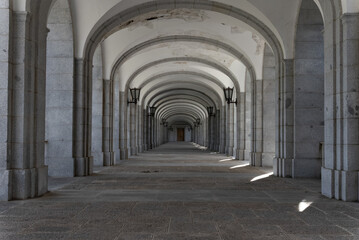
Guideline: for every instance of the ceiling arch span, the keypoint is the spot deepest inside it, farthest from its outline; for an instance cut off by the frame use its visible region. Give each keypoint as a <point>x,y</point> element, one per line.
<point>151,95</point>
<point>169,67</point>
<point>181,73</point>
<point>174,118</point>
<point>182,112</point>
<point>120,16</point>
<point>163,108</point>
<point>217,66</point>
<point>200,100</point>
<point>186,38</point>
<point>189,82</point>
<point>163,96</point>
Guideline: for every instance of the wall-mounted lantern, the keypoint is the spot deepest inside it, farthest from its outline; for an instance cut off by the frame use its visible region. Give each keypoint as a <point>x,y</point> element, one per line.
<point>198,121</point>
<point>135,95</point>
<point>210,111</point>
<point>152,111</point>
<point>195,124</point>
<point>228,94</point>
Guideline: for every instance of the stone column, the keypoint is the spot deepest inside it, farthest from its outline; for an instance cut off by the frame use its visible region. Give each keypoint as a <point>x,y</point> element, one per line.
<point>282,164</point>
<point>195,133</point>
<point>22,171</point>
<point>139,129</point>
<point>241,127</point>
<point>230,129</point>
<point>211,132</point>
<point>145,130</point>
<point>6,100</point>
<point>154,132</point>
<point>133,113</point>
<point>256,154</point>
<point>222,146</point>
<point>150,131</point>
<point>218,131</point>
<point>340,172</point>
<point>82,119</point>
<point>123,126</point>
<point>107,148</point>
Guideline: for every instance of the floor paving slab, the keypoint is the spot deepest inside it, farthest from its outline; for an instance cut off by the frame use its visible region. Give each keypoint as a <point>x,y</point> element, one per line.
<point>178,191</point>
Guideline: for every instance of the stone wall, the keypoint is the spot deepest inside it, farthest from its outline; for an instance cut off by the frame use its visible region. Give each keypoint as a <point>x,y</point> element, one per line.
<point>59,92</point>
<point>97,106</point>
<point>269,106</point>
<point>309,92</point>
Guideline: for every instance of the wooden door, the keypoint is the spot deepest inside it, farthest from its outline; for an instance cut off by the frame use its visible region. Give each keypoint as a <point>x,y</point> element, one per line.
<point>180,134</point>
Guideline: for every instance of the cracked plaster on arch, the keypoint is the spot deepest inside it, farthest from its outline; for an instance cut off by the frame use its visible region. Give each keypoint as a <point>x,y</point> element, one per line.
<point>188,15</point>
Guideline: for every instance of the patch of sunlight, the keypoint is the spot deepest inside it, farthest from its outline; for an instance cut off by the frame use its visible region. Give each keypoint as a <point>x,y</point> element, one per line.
<point>261,176</point>
<point>304,204</point>
<point>240,166</point>
<point>199,146</point>
<point>226,160</point>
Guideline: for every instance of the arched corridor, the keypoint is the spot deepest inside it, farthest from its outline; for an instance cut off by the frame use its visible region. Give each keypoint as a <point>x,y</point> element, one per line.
<point>180,191</point>
<point>178,101</point>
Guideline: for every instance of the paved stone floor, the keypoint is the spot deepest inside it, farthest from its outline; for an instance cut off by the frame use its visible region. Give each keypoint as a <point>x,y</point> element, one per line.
<point>179,191</point>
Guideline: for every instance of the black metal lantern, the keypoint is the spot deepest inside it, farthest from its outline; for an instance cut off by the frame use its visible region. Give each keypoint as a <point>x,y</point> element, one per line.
<point>228,94</point>
<point>165,124</point>
<point>210,111</point>
<point>195,124</point>
<point>152,111</point>
<point>198,121</point>
<point>135,95</point>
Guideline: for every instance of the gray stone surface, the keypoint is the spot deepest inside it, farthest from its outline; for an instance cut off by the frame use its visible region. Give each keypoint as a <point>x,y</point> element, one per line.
<point>308,103</point>
<point>178,191</point>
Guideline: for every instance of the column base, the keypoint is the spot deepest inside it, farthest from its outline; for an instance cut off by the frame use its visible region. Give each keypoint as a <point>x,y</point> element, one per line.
<point>123,153</point>
<point>240,155</point>
<point>117,156</point>
<point>20,184</point>
<point>83,166</point>
<point>256,159</point>
<point>282,167</point>
<point>108,158</point>
<point>5,185</point>
<point>229,151</point>
<point>222,149</point>
<point>133,151</point>
<point>341,185</point>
